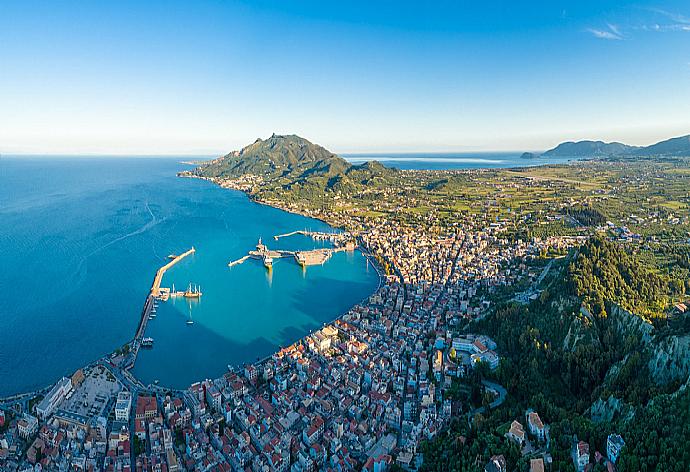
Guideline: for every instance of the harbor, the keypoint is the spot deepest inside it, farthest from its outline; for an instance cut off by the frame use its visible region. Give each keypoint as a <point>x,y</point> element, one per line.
<point>149,311</point>
<point>342,242</point>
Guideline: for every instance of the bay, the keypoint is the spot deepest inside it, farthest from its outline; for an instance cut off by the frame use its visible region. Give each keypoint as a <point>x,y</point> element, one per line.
<point>80,242</point>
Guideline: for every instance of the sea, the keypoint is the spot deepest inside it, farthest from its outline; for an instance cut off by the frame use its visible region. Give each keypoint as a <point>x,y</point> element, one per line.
<point>81,239</point>
<point>454,161</point>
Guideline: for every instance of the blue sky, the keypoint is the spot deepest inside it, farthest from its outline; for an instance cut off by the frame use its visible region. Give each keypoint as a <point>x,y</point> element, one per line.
<point>208,77</point>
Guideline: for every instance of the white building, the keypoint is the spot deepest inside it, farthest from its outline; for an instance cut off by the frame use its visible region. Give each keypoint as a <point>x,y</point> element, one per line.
<point>51,401</point>
<point>614,444</point>
<point>536,427</point>
<point>123,406</point>
<point>27,426</point>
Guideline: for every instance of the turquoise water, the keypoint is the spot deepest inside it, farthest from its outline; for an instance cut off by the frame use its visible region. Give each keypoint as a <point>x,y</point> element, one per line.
<point>80,242</point>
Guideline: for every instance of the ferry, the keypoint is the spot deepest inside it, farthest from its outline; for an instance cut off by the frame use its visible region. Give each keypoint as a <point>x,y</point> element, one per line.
<point>192,292</point>
<point>147,342</point>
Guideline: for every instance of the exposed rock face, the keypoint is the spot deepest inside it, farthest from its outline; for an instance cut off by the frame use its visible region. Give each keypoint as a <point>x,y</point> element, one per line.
<point>629,323</point>
<point>607,410</point>
<point>670,359</point>
<point>669,355</point>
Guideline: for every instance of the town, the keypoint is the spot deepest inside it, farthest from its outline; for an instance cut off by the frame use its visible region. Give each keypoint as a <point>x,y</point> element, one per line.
<point>361,393</point>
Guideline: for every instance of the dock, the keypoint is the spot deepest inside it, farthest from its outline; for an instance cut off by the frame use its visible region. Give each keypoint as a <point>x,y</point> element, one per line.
<point>238,261</point>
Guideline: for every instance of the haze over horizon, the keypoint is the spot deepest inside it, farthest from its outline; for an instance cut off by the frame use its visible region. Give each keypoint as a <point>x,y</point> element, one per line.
<point>210,77</point>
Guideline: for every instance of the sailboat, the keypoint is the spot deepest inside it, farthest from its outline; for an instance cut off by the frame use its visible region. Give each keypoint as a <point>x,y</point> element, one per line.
<point>194,292</point>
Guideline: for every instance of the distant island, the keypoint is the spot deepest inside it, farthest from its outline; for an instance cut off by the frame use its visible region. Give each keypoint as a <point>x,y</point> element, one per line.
<point>674,147</point>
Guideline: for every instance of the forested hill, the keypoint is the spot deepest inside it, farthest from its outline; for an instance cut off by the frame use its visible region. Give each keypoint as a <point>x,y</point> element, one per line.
<point>295,164</point>
<point>276,156</point>
<point>588,366</point>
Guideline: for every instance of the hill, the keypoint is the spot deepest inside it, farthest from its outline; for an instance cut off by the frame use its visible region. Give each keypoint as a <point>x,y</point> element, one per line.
<point>674,147</point>
<point>291,167</point>
<point>588,149</point>
<point>277,156</point>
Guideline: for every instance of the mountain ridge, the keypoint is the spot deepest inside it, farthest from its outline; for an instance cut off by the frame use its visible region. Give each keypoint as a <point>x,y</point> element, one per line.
<point>673,147</point>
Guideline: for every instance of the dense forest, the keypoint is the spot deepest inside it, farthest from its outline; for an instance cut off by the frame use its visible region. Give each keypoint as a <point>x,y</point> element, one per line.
<point>606,272</point>
<point>566,351</point>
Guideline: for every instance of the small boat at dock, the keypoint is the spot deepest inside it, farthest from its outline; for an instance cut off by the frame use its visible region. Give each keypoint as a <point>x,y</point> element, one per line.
<point>147,342</point>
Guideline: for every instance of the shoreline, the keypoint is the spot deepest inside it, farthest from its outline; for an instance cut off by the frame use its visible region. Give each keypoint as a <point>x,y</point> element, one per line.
<point>109,355</point>
<point>363,250</point>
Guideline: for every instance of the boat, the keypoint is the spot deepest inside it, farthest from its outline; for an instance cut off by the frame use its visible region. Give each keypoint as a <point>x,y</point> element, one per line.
<point>190,321</point>
<point>147,342</point>
<point>194,292</point>
<point>268,262</point>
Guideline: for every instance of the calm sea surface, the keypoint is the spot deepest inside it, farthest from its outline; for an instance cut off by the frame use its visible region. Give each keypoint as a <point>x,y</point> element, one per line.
<point>463,160</point>
<point>80,242</point>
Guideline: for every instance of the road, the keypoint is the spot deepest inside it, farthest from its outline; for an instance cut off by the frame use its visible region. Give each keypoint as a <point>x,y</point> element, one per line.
<point>499,389</point>
<point>524,297</point>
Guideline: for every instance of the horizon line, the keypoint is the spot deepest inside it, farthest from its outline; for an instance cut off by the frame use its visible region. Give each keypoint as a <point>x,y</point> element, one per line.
<point>214,156</point>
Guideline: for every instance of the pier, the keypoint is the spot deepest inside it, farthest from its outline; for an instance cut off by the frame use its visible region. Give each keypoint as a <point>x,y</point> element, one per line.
<point>156,292</point>
<point>317,236</point>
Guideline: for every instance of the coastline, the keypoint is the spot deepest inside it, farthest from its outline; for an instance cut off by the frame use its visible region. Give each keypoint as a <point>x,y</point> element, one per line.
<point>363,250</point>
<point>108,357</point>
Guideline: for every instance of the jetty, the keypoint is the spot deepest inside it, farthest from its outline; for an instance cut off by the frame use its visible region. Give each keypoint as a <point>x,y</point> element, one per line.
<point>149,305</point>
<point>317,236</point>
<point>156,287</point>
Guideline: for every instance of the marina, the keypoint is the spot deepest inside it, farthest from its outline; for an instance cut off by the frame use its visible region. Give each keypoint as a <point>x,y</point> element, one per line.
<point>304,258</point>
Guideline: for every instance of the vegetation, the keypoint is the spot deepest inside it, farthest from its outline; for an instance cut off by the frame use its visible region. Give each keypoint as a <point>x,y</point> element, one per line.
<point>584,353</point>
<point>605,272</point>
<point>561,361</point>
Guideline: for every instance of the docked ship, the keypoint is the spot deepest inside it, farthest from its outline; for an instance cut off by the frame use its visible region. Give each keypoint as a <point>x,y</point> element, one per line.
<point>193,292</point>
<point>147,342</point>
